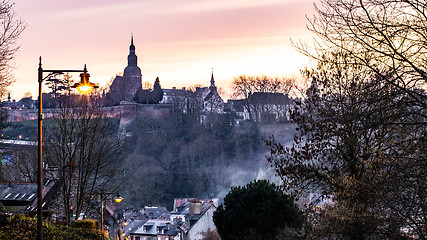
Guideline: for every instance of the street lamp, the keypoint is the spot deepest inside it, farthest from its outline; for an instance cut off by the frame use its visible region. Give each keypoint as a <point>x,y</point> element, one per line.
<point>117,199</point>
<point>85,82</point>
<point>84,86</point>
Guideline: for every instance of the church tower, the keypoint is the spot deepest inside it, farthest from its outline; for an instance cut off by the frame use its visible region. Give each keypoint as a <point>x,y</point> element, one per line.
<point>132,71</point>
<point>125,87</point>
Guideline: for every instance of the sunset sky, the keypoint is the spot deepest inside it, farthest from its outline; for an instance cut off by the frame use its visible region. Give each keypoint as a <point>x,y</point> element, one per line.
<point>178,41</point>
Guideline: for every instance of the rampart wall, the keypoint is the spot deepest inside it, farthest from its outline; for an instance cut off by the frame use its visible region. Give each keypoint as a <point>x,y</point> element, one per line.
<point>126,112</point>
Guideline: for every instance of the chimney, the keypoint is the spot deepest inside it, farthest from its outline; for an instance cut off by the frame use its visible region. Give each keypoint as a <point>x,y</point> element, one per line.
<point>195,207</point>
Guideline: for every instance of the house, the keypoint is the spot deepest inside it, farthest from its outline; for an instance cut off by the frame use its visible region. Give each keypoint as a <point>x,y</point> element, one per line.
<point>159,229</point>
<point>22,197</point>
<point>17,197</point>
<point>238,108</point>
<point>135,220</point>
<point>210,99</point>
<point>194,217</point>
<point>203,99</point>
<point>268,107</point>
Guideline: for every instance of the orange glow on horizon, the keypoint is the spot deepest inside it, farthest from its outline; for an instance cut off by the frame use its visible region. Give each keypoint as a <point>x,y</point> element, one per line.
<point>178,42</point>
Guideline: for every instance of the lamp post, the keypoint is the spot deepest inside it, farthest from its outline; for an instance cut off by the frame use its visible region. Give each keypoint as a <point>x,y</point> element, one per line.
<point>84,86</point>
<point>117,199</point>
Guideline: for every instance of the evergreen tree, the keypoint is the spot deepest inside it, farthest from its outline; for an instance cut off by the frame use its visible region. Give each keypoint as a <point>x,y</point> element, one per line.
<point>259,210</point>
<point>157,93</point>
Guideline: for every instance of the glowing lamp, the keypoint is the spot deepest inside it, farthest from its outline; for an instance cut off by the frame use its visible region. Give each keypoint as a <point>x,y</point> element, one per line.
<point>84,86</point>
<point>118,198</point>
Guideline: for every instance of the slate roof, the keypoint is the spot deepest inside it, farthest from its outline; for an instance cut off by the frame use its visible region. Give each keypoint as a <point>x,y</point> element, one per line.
<point>266,98</point>
<point>172,230</point>
<point>155,212</point>
<point>237,105</point>
<point>151,228</point>
<point>18,192</point>
<point>134,225</point>
<point>191,219</point>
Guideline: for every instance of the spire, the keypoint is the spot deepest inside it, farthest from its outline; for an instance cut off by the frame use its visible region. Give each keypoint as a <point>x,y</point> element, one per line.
<point>212,80</point>
<point>131,47</point>
<point>132,59</point>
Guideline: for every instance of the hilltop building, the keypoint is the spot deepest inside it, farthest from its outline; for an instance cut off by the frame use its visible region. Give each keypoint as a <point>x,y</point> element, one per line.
<point>125,87</point>
<point>211,100</point>
<point>202,99</point>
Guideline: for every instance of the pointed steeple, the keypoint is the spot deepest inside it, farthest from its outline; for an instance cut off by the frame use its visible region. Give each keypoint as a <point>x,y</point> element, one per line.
<point>212,87</point>
<point>132,59</point>
<point>212,80</point>
<point>131,47</point>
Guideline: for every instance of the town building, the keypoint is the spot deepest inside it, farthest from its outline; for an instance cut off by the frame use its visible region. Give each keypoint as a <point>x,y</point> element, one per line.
<point>22,197</point>
<point>194,218</point>
<point>204,100</point>
<point>160,229</point>
<point>263,107</point>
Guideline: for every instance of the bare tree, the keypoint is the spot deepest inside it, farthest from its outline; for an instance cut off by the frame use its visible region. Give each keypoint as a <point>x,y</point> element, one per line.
<point>25,164</point>
<point>83,146</point>
<point>244,86</point>
<point>382,36</point>
<point>361,149</point>
<point>12,28</point>
<point>263,93</point>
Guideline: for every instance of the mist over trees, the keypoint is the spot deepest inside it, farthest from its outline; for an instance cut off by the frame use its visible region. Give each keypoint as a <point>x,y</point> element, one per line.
<point>177,156</point>
<point>361,146</point>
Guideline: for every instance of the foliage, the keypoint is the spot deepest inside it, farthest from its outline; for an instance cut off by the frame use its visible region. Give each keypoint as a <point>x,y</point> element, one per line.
<point>27,129</point>
<point>211,235</point>
<point>86,224</point>
<point>21,227</point>
<point>157,91</point>
<point>361,146</point>
<point>148,95</point>
<point>175,155</point>
<point>355,131</point>
<point>258,210</point>
<point>60,85</point>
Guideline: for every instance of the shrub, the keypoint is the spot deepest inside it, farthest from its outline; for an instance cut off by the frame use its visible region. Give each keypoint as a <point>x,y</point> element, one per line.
<point>25,228</point>
<point>86,224</point>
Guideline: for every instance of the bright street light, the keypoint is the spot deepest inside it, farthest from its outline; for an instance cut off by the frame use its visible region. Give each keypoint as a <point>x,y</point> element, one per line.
<point>84,86</point>
<point>85,79</point>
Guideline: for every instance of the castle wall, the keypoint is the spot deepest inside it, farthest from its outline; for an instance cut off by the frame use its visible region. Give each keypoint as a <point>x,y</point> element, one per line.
<point>126,112</point>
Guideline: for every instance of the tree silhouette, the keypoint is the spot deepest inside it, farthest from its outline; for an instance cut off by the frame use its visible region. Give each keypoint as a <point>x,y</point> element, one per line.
<point>259,210</point>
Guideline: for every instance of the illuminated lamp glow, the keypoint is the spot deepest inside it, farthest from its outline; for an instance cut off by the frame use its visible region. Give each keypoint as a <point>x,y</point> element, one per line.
<point>84,86</point>
<point>118,198</point>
